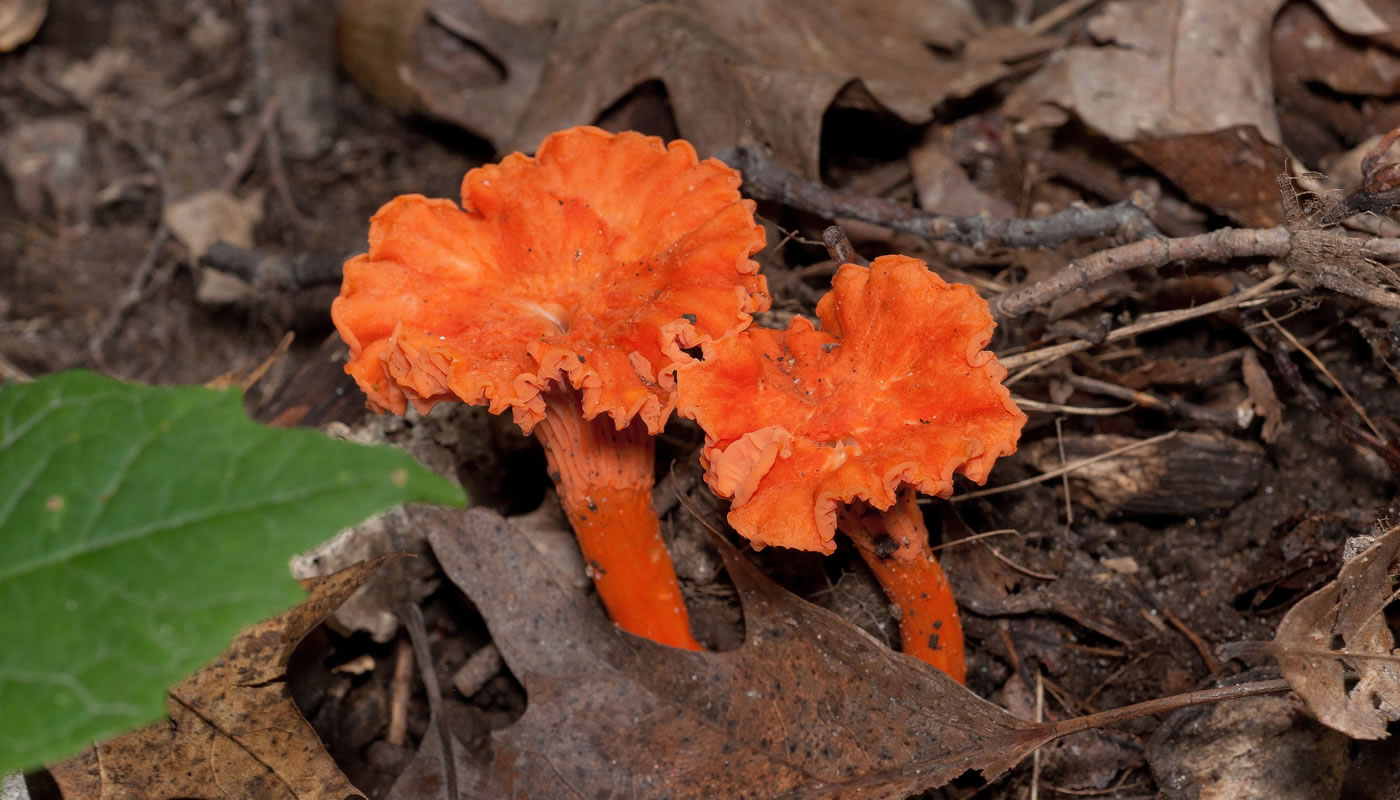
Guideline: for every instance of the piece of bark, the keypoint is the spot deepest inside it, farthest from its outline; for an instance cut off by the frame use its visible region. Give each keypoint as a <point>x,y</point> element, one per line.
<point>1188,474</point>
<point>1250,749</point>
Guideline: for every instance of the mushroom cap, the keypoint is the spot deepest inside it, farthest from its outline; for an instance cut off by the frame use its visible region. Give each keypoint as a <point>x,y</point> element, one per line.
<point>595,262</point>
<point>894,389</point>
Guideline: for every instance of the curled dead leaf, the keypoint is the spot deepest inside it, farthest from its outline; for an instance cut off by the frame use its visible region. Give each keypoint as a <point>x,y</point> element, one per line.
<point>1341,630</point>
<point>1262,397</point>
<point>809,706</point>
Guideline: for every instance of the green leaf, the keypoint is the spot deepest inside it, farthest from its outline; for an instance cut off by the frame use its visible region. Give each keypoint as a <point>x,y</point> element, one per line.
<point>140,529</point>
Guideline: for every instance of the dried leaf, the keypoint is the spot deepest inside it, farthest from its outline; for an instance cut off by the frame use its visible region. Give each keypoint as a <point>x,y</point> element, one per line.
<point>47,158</point>
<point>1376,18</point>
<point>1349,609</point>
<point>809,706</point>
<point>214,215</point>
<point>1262,397</point>
<point>409,580</point>
<point>1306,49</point>
<point>233,731</point>
<point>1141,85</point>
<point>765,76</point>
<point>942,185</point>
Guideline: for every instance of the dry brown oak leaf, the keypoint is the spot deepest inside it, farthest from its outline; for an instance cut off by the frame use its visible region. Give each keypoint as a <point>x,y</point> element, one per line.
<point>736,72</point>
<point>1349,610</point>
<point>809,706</point>
<point>1185,86</point>
<point>234,732</point>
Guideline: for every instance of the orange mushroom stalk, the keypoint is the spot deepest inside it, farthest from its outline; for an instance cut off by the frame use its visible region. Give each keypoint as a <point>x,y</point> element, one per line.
<point>893,395</point>
<point>566,288</point>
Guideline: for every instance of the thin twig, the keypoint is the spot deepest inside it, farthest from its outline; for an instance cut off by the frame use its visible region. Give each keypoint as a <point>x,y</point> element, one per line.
<point>1386,449</point>
<point>1149,322</point>
<point>258,22</point>
<point>976,537</point>
<point>1064,476</point>
<point>136,288</point>
<point>1222,245</point>
<point>128,300</point>
<point>412,618</point>
<point>400,692</point>
<point>244,160</point>
<point>1196,642</point>
<point>1027,571</point>
<point>10,372</point>
<point>1043,23</point>
<point>1060,408</point>
<point>767,180</point>
<point>1039,717</point>
<point>1317,362</point>
<point>1214,416</point>
<point>1113,676</point>
<point>1068,468</point>
<point>838,246</point>
<point>1163,704</point>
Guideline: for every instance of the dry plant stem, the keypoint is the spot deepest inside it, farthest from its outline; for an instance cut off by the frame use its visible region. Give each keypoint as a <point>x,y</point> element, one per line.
<point>258,23</point>
<point>401,692</point>
<point>1224,418</point>
<point>1387,450</point>
<point>1317,362</point>
<point>1149,322</point>
<point>1061,408</point>
<point>1196,641</point>
<point>929,627</point>
<point>1163,705</point>
<point>838,245</point>
<point>412,618</point>
<point>1221,245</point>
<point>766,180</point>
<point>10,372</point>
<point>116,317</point>
<point>604,478</point>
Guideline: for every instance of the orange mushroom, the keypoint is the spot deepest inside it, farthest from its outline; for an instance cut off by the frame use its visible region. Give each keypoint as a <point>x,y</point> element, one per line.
<point>566,288</point>
<point>895,393</point>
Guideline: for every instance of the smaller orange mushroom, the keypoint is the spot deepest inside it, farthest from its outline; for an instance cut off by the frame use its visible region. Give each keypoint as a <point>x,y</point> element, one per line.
<point>813,430</point>
<point>566,288</point>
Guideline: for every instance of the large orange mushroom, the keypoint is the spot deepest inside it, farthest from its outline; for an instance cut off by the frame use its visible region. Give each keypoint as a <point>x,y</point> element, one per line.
<point>810,431</point>
<point>566,288</point>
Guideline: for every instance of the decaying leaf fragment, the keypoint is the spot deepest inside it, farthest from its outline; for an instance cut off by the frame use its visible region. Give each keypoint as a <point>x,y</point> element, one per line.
<point>809,706</point>
<point>233,731</point>
<point>1349,611</point>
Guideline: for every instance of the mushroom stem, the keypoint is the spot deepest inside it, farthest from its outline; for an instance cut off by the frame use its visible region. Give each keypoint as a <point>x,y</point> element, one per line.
<point>894,544</point>
<point>604,478</point>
